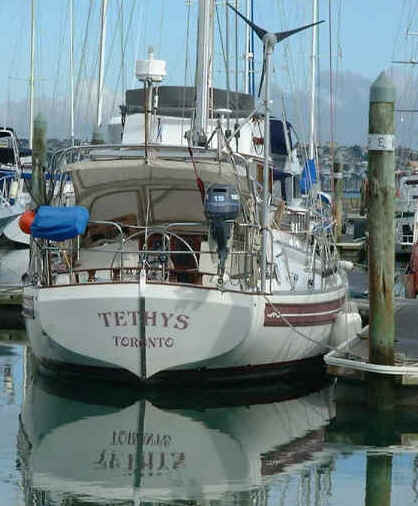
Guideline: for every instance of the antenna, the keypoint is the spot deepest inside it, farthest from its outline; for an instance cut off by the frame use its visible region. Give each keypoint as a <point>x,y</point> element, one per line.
<point>269,40</point>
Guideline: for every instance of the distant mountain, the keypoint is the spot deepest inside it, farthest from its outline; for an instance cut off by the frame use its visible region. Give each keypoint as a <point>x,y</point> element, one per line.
<point>57,113</point>
<point>351,110</point>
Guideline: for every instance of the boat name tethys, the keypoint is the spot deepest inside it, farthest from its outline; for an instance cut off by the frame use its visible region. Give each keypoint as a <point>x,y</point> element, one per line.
<point>151,319</point>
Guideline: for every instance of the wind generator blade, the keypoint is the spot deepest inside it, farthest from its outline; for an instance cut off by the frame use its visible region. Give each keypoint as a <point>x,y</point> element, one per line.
<point>263,70</point>
<point>283,35</point>
<point>409,62</point>
<point>258,30</point>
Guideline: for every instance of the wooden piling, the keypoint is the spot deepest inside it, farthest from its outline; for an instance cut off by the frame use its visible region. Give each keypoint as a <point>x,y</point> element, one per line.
<point>378,479</point>
<point>38,191</point>
<point>338,196</point>
<point>380,197</point>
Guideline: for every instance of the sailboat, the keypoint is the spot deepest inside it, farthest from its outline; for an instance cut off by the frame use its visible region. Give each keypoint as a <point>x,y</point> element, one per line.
<point>21,160</point>
<point>406,215</point>
<point>175,262</point>
<point>12,201</point>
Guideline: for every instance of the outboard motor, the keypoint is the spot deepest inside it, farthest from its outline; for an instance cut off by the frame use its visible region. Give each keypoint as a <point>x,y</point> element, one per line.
<point>222,206</point>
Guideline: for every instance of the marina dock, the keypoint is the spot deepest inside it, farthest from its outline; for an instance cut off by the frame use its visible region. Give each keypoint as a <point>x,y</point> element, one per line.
<point>350,362</point>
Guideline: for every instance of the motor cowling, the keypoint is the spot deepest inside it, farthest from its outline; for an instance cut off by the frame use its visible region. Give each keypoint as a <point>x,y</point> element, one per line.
<point>222,206</point>
<point>222,202</point>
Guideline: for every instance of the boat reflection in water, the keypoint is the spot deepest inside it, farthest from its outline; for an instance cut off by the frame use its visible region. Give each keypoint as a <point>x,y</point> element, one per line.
<point>104,446</point>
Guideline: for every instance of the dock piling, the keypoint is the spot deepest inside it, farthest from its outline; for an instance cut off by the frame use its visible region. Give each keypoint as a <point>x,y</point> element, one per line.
<point>38,191</point>
<point>381,193</point>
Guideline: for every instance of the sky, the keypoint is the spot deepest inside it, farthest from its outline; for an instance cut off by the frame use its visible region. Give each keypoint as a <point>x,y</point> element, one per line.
<point>366,35</point>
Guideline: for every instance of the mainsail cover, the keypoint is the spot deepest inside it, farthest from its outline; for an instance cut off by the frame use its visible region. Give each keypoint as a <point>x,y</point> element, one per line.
<point>308,178</point>
<point>59,223</point>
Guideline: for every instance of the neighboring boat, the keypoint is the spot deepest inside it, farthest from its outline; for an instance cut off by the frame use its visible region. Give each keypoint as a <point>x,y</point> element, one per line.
<point>176,262</point>
<point>406,216</point>
<point>91,446</point>
<point>14,234</point>
<point>12,197</point>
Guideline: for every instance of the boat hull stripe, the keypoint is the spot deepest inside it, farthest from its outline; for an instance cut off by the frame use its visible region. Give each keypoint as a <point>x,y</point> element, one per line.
<point>302,315</point>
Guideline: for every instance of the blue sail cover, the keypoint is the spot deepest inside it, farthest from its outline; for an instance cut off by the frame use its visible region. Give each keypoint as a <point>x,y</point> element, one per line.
<point>59,223</point>
<point>308,178</point>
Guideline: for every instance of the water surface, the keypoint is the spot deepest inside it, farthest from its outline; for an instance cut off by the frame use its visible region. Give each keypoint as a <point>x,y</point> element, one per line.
<point>74,443</point>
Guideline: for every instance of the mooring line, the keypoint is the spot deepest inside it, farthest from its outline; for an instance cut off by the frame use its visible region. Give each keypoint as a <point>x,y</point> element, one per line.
<point>301,334</point>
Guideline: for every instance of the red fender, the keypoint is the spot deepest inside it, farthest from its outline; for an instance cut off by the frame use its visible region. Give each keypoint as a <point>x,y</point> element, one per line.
<point>25,221</point>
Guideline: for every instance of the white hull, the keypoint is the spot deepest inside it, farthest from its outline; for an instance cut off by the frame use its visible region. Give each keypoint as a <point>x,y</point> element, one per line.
<point>13,233</point>
<point>185,328</point>
<point>8,213</point>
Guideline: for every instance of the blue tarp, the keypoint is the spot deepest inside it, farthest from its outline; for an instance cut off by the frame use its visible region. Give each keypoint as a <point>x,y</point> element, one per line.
<point>59,223</point>
<point>308,177</point>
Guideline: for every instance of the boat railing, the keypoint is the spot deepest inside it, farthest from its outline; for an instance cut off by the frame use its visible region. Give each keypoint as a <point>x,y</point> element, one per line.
<point>405,234</point>
<point>101,152</point>
<point>5,182</point>
<point>294,221</point>
<point>169,253</point>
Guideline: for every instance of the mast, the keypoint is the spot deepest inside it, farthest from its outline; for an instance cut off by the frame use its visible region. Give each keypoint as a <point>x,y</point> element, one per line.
<point>247,49</point>
<point>203,70</point>
<point>249,85</point>
<point>71,73</point>
<point>101,63</point>
<point>269,40</point>
<point>122,49</point>
<point>32,75</point>
<point>251,56</point>
<point>313,79</point>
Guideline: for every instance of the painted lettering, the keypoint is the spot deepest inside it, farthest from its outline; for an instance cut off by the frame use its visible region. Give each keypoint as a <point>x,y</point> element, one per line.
<point>166,318</point>
<point>149,342</point>
<point>150,318</point>
<point>105,317</point>
<point>182,319</point>
<point>134,315</point>
<point>120,319</point>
